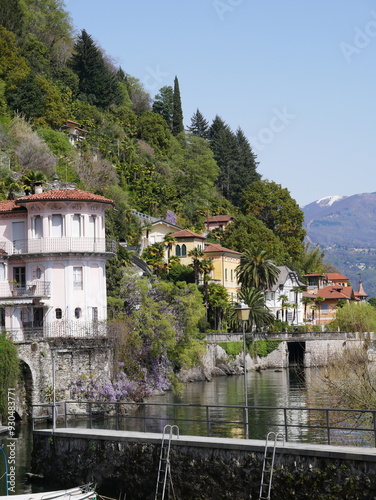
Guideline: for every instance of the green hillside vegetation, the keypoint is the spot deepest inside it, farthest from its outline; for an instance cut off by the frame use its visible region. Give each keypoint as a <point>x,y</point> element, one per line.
<point>136,150</point>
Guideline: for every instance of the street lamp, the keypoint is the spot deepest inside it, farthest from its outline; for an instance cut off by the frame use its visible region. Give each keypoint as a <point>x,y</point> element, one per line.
<point>243,315</point>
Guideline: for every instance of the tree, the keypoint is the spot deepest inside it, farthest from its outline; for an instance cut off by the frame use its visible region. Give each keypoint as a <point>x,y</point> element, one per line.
<point>355,317</point>
<point>205,268</point>
<point>246,232</point>
<point>259,315</point>
<point>164,104</point>
<point>235,159</point>
<point>177,115</point>
<point>257,270</point>
<point>9,371</point>
<point>306,301</point>
<point>318,300</point>
<point>273,205</point>
<point>98,84</point>
<point>284,306</point>
<point>196,255</point>
<point>218,304</point>
<point>169,242</point>
<point>154,257</point>
<point>199,126</point>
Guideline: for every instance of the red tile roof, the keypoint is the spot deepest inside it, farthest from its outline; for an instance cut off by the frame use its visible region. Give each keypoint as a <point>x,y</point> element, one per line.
<point>215,247</point>
<point>336,276</point>
<point>9,205</point>
<point>333,292</point>
<point>219,218</point>
<point>64,194</point>
<point>186,233</point>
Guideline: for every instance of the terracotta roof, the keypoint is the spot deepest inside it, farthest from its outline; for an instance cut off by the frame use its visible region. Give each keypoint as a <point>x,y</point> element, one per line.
<point>336,276</point>
<point>219,218</point>
<point>313,274</point>
<point>186,233</point>
<point>9,205</point>
<point>64,194</point>
<point>215,247</point>
<point>361,292</point>
<point>334,292</point>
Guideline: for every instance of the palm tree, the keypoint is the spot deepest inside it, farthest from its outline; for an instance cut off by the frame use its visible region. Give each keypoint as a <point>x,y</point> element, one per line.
<point>154,257</point>
<point>169,241</point>
<point>318,301</point>
<point>296,290</point>
<point>196,254</point>
<point>218,303</point>
<point>257,270</point>
<point>259,314</point>
<point>284,305</point>
<point>32,178</point>
<point>306,301</point>
<point>206,266</point>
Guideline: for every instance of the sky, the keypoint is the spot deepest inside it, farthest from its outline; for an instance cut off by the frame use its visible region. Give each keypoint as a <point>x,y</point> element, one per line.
<point>298,77</point>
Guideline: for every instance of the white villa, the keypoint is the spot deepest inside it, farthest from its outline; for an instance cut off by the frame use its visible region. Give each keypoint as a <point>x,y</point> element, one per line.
<point>52,264</point>
<point>287,286</point>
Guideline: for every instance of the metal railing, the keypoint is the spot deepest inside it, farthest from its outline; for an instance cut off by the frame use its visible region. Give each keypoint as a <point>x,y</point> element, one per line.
<point>299,424</point>
<point>226,337</point>
<point>33,289</point>
<point>58,329</point>
<point>62,244</point>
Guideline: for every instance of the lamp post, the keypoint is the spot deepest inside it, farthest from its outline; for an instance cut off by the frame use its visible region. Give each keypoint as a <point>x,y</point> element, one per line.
<point>243,315</point>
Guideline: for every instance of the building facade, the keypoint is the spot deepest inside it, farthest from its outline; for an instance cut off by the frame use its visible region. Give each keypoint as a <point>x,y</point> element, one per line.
<point>52,264</point>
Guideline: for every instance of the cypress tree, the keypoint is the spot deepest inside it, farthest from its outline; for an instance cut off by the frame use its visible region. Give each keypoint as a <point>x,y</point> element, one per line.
<point>199,126</point>
<point>177,115</point>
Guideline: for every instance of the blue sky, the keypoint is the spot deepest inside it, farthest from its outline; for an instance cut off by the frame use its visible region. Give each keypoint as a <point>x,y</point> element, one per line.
<point>298,77</point>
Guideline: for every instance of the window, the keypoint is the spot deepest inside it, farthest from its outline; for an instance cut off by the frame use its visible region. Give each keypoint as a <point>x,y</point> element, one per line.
<point>38,226</point>
<point>2,271</point>
<point>76,226</point>
<point>57,228</point>
<point>232,275</point>
<point>183,251</point>
<point>324,308</point>
<point>92,227</point>
<point>38,273</point>
<point>177,251</point>
<point>77,278</point>
<point>77,312</point>
<point>19,276</point>
<point>2,317</point>
<point>94,313</point>
<point>58,313</point>
<point>225,274</point>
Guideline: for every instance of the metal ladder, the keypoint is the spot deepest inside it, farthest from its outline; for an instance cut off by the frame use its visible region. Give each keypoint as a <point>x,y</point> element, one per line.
<point>268,464</point>
<point>164,479</point>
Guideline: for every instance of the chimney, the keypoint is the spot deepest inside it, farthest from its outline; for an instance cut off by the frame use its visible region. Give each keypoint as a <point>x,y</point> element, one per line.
<point>38,189</point>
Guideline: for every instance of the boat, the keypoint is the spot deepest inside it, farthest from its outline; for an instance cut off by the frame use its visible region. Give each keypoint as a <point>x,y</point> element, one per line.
<point>86,492</point>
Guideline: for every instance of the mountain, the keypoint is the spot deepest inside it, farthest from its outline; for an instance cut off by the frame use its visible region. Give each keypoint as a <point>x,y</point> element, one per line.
<point>345,228</point>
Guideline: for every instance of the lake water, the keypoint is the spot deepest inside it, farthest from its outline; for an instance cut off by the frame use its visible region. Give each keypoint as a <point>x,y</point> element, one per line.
<point>269,389</point>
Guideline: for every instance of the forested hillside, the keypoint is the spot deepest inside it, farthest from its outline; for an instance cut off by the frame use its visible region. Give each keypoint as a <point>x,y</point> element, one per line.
<point>135,148</point>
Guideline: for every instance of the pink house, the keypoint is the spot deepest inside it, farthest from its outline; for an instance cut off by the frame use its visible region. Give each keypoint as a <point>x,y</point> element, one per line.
<point>52,264</point>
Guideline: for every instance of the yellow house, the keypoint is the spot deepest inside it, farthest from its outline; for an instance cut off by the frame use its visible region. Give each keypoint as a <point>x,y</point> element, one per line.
<point>186,241</point>
<point>225,262</point>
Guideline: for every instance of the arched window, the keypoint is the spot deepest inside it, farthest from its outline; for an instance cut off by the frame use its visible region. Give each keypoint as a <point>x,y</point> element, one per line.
<point>177,251</point>
<point>77,312</point>
<point>38,273</point>
<point>183,251</point>
<point>58,313</point>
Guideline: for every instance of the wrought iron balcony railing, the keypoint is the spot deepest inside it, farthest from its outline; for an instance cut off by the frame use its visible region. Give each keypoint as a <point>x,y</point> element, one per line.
<point>59,328</point>
<point>58,245</point>
<point>32,289</point>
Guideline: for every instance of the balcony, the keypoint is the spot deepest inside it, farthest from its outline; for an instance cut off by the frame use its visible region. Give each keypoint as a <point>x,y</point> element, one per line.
<point>58,245</point>
<point>30,290</point>
<point>59,329</point>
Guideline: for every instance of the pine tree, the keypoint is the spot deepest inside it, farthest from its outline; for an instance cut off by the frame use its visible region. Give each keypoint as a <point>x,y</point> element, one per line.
<point>164,104</point>
<point>97,83</point>
<point>199,126</point>
<point>177,116</point>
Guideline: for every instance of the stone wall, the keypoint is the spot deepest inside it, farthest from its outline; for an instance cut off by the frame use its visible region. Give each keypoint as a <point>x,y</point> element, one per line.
<point>125,465</point>
<point>73,358</point>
